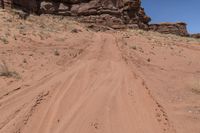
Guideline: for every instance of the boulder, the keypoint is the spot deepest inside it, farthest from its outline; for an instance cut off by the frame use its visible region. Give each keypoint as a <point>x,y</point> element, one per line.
<point>47,7</point>
<point>26,5</point>
<point>50,7</point>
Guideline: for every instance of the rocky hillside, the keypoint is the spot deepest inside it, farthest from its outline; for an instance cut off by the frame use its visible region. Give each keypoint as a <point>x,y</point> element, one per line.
<point>195,35</point>
<point>116,14</point>
<point>170,28</point>
<point>58,76</point>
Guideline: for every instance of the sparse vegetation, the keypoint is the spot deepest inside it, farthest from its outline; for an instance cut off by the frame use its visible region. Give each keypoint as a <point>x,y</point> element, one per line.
<point>141,32</point>
<point>75,30</point>
<point>56,53</point>
<point>4,40</point>
<point>196,88</point>
<point>24,61</point>
<point>4,71</point>
<point>149,60</point>
<point>134,47</point>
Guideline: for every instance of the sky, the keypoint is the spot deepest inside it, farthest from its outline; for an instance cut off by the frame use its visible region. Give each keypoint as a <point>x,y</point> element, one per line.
<point>174,11</point>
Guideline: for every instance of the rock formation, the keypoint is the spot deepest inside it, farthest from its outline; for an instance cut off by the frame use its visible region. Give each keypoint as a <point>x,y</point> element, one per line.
<point>170,28</point>
<point>113,13</point>
<point>5,3</point>
<point>195,35</point>
<point>1,4</point>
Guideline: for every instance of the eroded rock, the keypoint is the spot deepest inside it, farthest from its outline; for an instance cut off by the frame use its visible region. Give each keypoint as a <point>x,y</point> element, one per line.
<point>170,28</point>
<point>116,14</point>
<point>195,35</point>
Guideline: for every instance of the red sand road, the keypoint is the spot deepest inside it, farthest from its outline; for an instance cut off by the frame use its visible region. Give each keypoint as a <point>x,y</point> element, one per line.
<point>104,82</point>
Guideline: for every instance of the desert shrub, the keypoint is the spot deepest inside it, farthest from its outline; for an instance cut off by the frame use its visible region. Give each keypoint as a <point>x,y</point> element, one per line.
<point>195,88</point>
<point>4,71</point>
<point>4,40</point>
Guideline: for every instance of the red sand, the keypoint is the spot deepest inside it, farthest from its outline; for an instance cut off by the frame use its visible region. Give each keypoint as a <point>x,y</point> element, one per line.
<point>96,82</point>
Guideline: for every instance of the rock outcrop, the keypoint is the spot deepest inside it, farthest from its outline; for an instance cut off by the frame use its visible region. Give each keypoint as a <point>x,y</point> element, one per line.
<point>5,4</point>
<point>195,35</point>
<point>113,13</point>
<point>27,5</point>
<point>1,4</point>
<point>170,28</point>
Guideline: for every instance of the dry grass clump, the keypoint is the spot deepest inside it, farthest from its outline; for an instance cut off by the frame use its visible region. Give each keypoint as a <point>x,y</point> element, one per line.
<point>4,40</point>
<point>4,71</point>
<point>133,47</point>
<point>56,52</point>
<point>196,87</point>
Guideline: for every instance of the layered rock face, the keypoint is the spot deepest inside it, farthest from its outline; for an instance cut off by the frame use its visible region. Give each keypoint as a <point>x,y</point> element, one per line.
<point>195,35</point>
<point>113,13</point>
<point>5,3</point>
<point>170,28</point>
<point>1,4</point>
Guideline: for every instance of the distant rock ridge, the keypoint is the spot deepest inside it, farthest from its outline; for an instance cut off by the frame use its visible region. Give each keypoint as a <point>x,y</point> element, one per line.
<point>197,35</point>
<point>112,13</point>
<point>179,28</point>
<point>116,14</point>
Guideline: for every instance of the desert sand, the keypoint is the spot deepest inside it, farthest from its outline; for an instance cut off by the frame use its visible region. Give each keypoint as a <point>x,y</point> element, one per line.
<point>59,76</point>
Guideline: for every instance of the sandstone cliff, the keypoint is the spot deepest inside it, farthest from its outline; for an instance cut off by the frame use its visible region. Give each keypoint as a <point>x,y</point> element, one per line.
<point>170,28</point>
<point>116,14</point>
<point>113,13</point>
<point>195,35</point>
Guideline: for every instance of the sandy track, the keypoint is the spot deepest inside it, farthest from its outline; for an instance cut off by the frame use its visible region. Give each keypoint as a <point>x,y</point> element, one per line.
<point>98,93</point>
<point>87,82</point>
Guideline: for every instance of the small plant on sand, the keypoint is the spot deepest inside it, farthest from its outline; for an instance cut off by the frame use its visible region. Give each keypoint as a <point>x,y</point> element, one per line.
<point>4,71</point>
<point>4,40</point>
<point>56,53</point>
<point>141,32</point>
<point>134,47</point>
<point>196,87</point>
<point>75,30</point>
<point>149,60</point>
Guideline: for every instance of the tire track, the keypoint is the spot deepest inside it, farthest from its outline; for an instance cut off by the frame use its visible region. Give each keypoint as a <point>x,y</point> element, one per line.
<point>97,93</point>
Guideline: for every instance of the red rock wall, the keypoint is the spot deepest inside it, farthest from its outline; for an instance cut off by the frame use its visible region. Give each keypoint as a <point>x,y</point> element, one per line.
<point>1,4</point>
<point>195,35</point>
<point>170,28</point>
<point>5,3</point>
<point>112,13</point>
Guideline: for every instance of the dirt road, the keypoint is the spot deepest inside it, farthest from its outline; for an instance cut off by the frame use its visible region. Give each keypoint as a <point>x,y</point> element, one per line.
<point>101,82</point>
